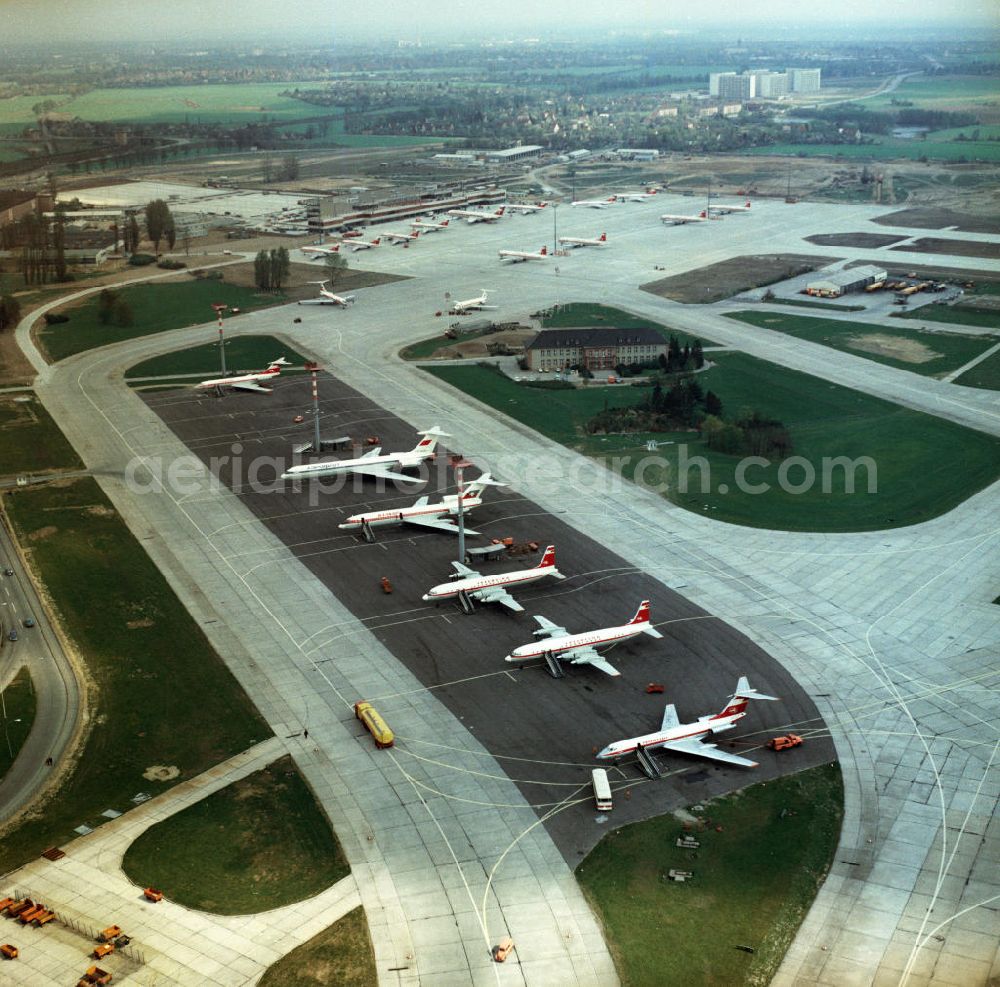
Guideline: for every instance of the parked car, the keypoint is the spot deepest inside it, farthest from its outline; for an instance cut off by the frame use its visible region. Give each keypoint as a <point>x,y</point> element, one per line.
<point>12,636</point>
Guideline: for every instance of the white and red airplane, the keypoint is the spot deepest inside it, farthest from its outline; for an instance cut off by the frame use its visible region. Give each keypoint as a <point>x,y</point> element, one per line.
<point>687,738</point>
<point>356,245</point>
<point>318,253</point>
<point>373,463</point>
<point>328,297</point>
<point>402,237</point>
<point>247,382</point>
<point>517,256</point>
<point>675,220</point>
<point>525,207</point>
<point>581,649</point>
<point>474,216</point>
<point>477,304</point>
<point>492,589</point>
<point>730,208</point>
<point>427,226</point>
<point>594,203</point>
<point>425,514</point>
<point>634,196</point>
<point>579,241</point>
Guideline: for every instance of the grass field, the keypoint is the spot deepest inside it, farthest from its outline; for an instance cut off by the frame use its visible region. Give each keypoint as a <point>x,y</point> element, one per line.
<point>17,712</point>
<point>803,303</point>
<point>587,314</point>
<point>428,347</point>
<point>341,955</point>
<point>161,696</point>
<point>825,421</point>
<point>242,353</point>
<point>890,147</point>
<point>940,92</point>
<point>155,308</point>
<point>930,354</point>
<point>959,315</point>
<point>754,880</point>
<point>260,843</point>
<point>31,441</point>
<point>985,374</point>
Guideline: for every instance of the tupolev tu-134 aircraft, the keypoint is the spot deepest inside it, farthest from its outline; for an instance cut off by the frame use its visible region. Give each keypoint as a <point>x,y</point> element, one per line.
<point>374,463</point>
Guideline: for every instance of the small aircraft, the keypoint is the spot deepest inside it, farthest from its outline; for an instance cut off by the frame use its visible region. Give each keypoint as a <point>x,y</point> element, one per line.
<point>578,241</point>
<point>427,226</point>
<point>634,196</point>
<point>492,589</point>
<point>328,297</point>
<point>687,738</point>
<point>524,207</point>
<point>425,514</point>
<point>318,253</point>
<point>581,649</point>
<point>731,208</point>
<point>247,382</point>
<point>477,304</point>
<point>594,203</point>
<point>402,237</point>
<point>681,220</point>
<point>356,245</point>
<point>517,256</point>
<point>373,463</point>
<point>474,216</point>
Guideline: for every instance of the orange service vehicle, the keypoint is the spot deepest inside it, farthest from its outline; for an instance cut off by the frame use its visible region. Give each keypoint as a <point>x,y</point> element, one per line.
<point>784,742</point>
<point>374,724</point>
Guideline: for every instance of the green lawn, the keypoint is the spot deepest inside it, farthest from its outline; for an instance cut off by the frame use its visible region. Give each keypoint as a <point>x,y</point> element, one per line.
<point>242,352</point>
<point>260,843</point>
<point>155,308</point>
<point>985,374</point>
<point>946,351</point>
<point>340,955</point>
<point>804,303</point>
<point>31,441</point>
<point>890,147</point>
<point>160,694</point>
<point>763,856</point>
<point>17,712</point>
<point>960,315</point>
<point>587,314</point>
<point>825,420</point>
<point>428,347</point>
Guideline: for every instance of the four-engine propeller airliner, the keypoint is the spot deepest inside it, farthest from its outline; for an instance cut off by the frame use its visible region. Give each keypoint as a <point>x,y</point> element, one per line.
<point>493,589</point>
<point>581,649</point>
<point>474,216</point>
<point>328,297</point>
<point>373,463</point>
<point>517,256</point>
<point>477,304</point>
<point>687,738</point>
<point>675,220</point>
<point>427,515</point>
<point>247,382</point>
<point>579,241</point>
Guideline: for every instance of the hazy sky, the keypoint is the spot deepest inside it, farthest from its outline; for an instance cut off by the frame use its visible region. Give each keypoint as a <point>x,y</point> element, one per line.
<point>326,20</point>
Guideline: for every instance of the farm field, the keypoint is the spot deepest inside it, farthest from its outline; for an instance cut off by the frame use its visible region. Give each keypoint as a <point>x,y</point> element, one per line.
<point>930,354</point>
<point>826,421</point>
<point>764,853</point>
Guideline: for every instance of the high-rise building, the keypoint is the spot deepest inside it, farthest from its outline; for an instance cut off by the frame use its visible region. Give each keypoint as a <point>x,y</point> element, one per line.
<point>713,81</point>
<point>804,80</point>
<point>771,85</point>
<point>733,86</point>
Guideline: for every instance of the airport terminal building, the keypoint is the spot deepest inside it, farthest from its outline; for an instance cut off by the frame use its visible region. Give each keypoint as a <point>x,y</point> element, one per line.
<point>596,348</point>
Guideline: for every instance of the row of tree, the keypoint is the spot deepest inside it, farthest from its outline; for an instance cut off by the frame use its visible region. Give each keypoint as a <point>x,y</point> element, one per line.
<point>271,269</point>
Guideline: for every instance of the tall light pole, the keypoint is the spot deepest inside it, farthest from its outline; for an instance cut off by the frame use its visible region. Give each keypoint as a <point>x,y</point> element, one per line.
<point>313,369</point>
<point>555,228</point>
<point>459,464</point>
<point>219,309</point>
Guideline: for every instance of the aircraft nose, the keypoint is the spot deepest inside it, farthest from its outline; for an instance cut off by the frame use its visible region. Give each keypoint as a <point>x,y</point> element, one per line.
<point>604,754</point>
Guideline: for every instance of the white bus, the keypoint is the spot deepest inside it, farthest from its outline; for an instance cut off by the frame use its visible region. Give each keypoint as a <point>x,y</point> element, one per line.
<point>602,790</point>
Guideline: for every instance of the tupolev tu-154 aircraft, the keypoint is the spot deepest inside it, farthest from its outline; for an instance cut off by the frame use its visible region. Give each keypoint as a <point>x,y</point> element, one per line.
<point>472,304</point>
<point>581,649</point>
<point>373,463</point>
<point>426,515</point>
<point>247,382</point>
<point>428,225</point>
<point>688,738</point>
<point>467,584</point>
<point>582,241</point>
<point>474,216</point>
<point>675,220</point>
<point>517,256</point>
<point>327,297</point>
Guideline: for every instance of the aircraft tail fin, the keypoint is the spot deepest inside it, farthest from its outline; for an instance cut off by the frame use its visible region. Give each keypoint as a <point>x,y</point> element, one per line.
<point>280,362</point>
<point>743,694</point>
<point>603,238</point>
<point>548,558</point>
<point>544,251</point>
<point>429,439</point>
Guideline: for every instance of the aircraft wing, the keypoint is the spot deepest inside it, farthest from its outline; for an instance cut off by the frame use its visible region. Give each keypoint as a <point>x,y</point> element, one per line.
<point>383,472</point>
<point>438,523</point>
<point>497,594</point>
<point>548,629</point>
<point>463,571</point>
<point>711,751</point>
<point>251,385</point>
<point>588,656</point>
